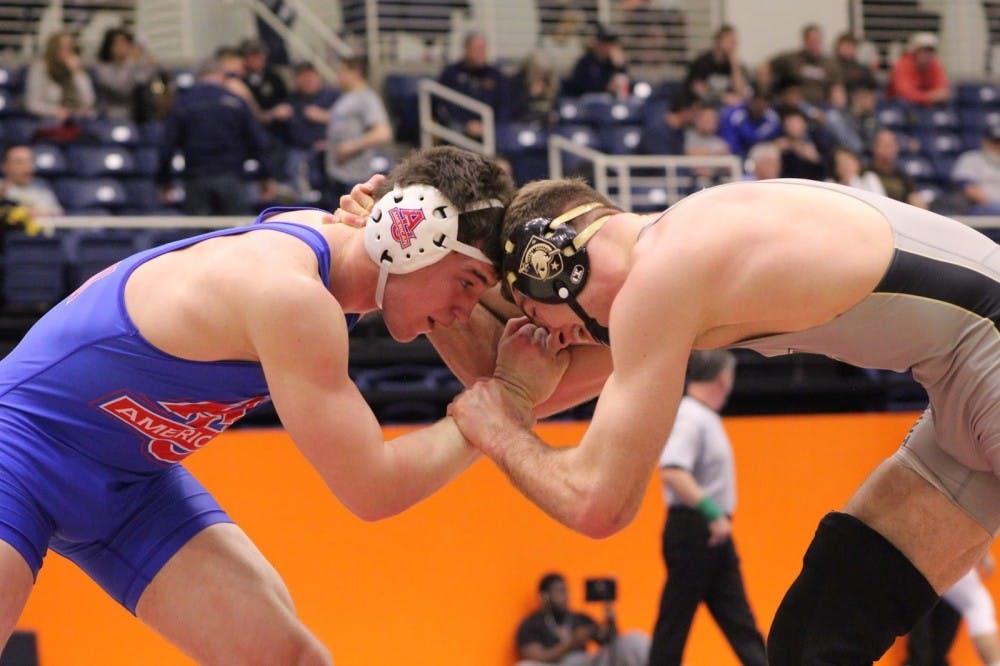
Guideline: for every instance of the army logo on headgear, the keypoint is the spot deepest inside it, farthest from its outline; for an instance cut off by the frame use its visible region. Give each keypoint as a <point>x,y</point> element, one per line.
<point>541,260</point>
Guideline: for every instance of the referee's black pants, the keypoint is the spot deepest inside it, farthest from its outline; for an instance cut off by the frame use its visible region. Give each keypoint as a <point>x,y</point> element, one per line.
<point>698,573</point>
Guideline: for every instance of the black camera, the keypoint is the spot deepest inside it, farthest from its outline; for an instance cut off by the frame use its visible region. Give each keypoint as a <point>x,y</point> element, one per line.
<point>601,589</point>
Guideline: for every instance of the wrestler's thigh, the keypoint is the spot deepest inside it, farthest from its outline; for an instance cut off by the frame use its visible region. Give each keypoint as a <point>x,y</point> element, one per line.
<point>938,537</point>
<point>16,582</point>
<point>221,601</point>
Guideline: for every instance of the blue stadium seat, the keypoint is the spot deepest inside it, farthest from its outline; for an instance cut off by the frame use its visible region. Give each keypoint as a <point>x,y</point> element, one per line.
<point>525,145</point>
<point>941,143</point>
<point>93,161</point>
<point>894,116</point>
<point>50,161</point>
<point>20,130</point>
<point>34,270</point>
<point>571,110</point>
<point>977,94</point>
<point>917,167</point>
<point>621,139</point>
<point>114,132</point>
<point>619,112</point>
<point>12,79</point>
<point>79,195</point>
<point>406,377</point>
<point>649,199</point>
<point>7,103</point>
<point>941,118</point>
<point>96,250</point>
<point>184,78</point>
<point>151,133</point>
<point>143,195</point>
<point>146,160</point>
<point>409,411</point>
<point>581,135</point>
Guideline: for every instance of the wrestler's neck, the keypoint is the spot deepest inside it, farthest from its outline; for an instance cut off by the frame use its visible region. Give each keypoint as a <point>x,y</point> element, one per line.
<point>611,256</point>
<point>353,275</point>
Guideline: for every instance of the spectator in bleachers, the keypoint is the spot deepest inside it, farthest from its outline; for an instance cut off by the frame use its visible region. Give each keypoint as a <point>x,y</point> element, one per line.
<point>764,161</point>
<point>855,125</point>
<point>301,123</point>
<point>263,80</point>
<point>474,76</point>
<point>58,86</point>
<point>702,139</point>
<point>918,76</point>
<point>853,72</point>
<point>718,76</point>
<point>811,73</point>
<point>234,70</point>
<point>19,184</point>
<point>800,158</point>
<point>565,45</point>
<point>215,131</point>
<point>359,125</point>
<point>978,171</point>
<point>533,89</point>
<point>749,123</point>
<point>667,138</point>
<point>897,185</point>
<point>603,68</point>
<point>123,68</point>
<point>847,170</point>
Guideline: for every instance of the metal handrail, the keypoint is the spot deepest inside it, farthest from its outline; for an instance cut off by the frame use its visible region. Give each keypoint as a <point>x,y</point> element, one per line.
<point>430,129</point>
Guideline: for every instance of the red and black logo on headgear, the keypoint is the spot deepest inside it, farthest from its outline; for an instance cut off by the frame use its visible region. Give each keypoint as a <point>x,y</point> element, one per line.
<point>404,221</point>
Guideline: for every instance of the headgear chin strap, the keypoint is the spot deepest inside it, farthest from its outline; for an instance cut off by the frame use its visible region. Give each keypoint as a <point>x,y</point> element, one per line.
<point>546,260</point>
<point>413,227</point>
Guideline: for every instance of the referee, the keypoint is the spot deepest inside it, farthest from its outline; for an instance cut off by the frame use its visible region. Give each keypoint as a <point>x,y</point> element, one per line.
<point>700,487</point>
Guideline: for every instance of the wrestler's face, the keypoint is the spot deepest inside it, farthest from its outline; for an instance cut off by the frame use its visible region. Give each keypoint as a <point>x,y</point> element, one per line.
<point>438,295</point>
<point>558,319</point>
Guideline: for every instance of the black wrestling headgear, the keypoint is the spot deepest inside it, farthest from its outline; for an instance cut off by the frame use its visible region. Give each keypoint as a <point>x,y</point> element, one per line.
<point>546,261</point>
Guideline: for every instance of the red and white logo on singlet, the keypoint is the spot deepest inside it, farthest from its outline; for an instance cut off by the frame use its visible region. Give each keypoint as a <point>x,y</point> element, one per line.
<point>182,427</point>
<point>404,221</point>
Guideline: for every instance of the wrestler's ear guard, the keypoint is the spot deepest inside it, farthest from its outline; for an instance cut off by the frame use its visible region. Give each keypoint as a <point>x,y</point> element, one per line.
<point>413,227</point>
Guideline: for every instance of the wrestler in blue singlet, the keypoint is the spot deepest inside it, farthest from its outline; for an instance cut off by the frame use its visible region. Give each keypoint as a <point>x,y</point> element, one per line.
<point>94,419</point>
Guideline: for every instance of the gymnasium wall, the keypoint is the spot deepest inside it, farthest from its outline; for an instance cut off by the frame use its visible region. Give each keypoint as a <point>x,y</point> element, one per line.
<point>446,583</point>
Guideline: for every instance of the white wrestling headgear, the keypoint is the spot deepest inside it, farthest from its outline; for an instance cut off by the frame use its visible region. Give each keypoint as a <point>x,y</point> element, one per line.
<point>413,227</point>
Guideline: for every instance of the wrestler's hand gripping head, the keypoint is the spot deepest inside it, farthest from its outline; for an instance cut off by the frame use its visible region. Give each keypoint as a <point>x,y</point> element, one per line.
<point>546,261</point>
<point>414,227</point>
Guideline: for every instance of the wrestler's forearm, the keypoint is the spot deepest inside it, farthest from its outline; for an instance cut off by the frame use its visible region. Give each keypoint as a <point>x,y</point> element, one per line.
<point>550,478</point>
<point>419,463</point>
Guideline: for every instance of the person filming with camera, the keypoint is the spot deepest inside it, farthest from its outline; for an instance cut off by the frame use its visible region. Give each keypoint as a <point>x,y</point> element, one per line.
<point>556,635</point>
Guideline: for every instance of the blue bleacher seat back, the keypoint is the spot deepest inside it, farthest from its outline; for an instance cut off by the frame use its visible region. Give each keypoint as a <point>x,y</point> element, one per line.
<point>113,132</point>
<point>34,270</point>
<point>79,195</point>
<point>94,161</point>
<point>977,95</point>
<point>621,139</point>
<point>50,160</point>
<point>20,130</point>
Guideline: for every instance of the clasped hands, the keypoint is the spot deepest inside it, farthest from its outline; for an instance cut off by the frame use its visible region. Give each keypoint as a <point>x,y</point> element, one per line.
<point>530,364</point>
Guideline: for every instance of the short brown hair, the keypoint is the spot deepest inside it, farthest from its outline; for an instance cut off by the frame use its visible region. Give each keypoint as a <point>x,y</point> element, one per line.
<point>549,198</point>
<point>706,365</point>
<point>465,178</point>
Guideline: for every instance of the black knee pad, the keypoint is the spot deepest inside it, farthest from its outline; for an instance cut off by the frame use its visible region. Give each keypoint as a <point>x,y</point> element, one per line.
<point>856,593</point>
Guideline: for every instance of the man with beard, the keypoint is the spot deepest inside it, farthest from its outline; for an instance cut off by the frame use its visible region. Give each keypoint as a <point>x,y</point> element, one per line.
<point>556,635</point>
